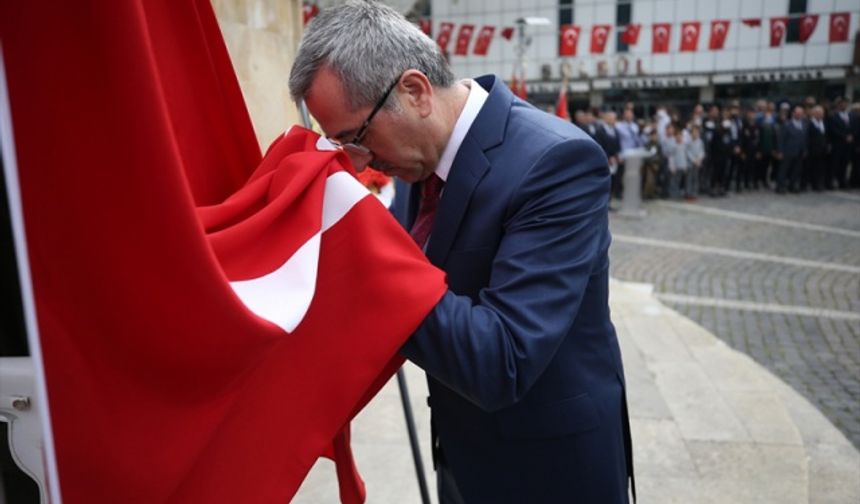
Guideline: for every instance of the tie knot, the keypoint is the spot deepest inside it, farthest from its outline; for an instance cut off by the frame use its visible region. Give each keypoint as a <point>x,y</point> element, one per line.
<point>432,187</point>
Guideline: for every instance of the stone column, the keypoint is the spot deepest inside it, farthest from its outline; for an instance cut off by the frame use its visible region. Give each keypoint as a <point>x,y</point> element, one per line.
<point>262,37</point>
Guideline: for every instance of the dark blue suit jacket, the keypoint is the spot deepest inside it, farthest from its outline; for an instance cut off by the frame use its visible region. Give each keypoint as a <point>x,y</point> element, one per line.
<point>524,369</point>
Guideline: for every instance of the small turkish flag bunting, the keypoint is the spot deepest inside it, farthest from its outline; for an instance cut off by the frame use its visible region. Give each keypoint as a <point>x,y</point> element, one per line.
<point>444,36</point>
<point>485,36</point>
<point>568,39</point>
<point>631,34</point>
<point>464,37</point>
<point>660,37</point>
<point>719,31</point>
<point>777,30</point>
<point>690,35</point>
<point>839,22</point>
<point>808,23</point>
<point>599,35</point>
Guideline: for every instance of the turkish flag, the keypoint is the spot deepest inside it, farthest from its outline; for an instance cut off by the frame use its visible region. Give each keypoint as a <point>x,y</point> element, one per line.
<point>518,87</point>
<point>464,37</point>
<point>208,320</point>
<point>631,34</point>
<point>690,35</point>
<point>561,109</point>
<point>839,23</point>
<point>568,40</point>
<point>660,34</point>
<point>426,25</point>
<point>445,30</point>
<point>777,30</point>
<point>485,36</point>
<point>309,10</point>
<point>719,32</point>
<point>599,36</point>
<point>808,22</point>
<point>751,22</point>
<point>508,32</point>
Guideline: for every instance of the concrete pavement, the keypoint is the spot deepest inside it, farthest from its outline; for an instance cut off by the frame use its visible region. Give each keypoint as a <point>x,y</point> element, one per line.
<point>710,425</point>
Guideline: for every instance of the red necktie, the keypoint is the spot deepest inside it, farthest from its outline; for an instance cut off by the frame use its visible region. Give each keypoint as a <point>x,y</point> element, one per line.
<point>430,191</point>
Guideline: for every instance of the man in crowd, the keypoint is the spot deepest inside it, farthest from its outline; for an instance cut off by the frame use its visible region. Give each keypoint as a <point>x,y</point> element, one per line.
<point>608,137</point>
<point>816,161</point>
<point>792,150</point>
<point>767,144</point>
<point>750,154</point>
<point>524,370</point>
<point>838,127</point>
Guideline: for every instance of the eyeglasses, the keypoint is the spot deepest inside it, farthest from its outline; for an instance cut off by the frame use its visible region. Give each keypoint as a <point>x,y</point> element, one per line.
<point>354,145</point>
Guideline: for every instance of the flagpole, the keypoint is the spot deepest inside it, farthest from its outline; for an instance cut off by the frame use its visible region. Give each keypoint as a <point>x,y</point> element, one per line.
<point>413,436</point>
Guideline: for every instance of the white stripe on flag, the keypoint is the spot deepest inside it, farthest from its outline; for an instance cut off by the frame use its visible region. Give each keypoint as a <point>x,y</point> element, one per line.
<point>283,296</point>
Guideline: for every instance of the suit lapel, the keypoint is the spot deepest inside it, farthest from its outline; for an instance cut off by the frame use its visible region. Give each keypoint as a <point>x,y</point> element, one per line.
<point>469,167</point>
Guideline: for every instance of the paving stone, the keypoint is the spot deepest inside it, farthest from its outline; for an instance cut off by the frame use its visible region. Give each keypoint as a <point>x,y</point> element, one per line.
<point>796,348</point>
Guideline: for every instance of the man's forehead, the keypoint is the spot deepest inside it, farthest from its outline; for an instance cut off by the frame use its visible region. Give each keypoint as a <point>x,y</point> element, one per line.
<point>327,102</point>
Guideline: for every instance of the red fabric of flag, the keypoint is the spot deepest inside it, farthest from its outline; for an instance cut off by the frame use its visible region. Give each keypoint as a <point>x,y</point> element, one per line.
<point>599,36</point>
<point>426,25</point>
<point>751,22</point>
<point>839,23</point>
<point>485,37</point>
<point>777,30</point>
<point>445,30</point>
<point>808,22</point>
<point>518,87</point>
<point>464,38</point>
<point>690,35</point>
<point>166,382</point>
<point>568,40</point>
<point>508,32</point>
<point>561,109</point>
<point>631,34</point>
<point>660,35</point>
<point>719,32</point>
<point>309,10</point>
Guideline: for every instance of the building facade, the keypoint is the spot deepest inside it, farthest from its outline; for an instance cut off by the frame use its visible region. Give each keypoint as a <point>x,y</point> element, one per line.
<point>687,51</point>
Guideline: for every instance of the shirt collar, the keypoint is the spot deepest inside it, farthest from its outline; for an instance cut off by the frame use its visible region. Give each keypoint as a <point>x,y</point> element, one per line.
<point>476,99</point>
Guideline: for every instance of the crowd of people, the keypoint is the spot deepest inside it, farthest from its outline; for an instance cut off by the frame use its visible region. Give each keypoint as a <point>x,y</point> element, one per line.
<point>785,147</point>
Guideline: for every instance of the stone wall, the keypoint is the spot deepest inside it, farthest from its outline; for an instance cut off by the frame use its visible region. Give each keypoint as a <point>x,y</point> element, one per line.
<point>262,37</point>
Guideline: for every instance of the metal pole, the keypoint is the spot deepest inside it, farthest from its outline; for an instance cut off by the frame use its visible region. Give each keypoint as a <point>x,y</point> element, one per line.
<point>413,436</point>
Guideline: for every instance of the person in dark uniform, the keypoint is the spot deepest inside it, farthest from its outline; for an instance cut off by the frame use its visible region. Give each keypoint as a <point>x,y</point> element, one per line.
<point>816,161</point>
<point>750,153</point>
<point>735,164</point>
<point>608,138</point>
<point>711,177</point>
<point>854,121</point>
<point>792,150</point>
<point>839,130</point>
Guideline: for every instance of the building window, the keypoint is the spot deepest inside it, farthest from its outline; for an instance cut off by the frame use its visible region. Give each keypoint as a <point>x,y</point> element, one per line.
<point>796,8</point>
<point>622,18</point>
<point>565,12</point>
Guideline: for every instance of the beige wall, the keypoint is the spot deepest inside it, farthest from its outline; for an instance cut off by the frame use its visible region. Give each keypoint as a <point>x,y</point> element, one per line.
<point>262,37</point>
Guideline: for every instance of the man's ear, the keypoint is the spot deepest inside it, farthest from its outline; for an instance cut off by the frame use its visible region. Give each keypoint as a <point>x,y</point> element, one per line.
<point>418,91</point>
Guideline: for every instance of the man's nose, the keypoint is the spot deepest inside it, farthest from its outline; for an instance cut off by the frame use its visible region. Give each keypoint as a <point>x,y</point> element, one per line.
<point>359,161</point>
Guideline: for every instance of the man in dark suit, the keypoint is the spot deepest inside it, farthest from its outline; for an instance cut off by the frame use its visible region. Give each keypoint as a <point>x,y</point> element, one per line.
<point>854,120</point>
<point>816,161</point>
<point>839,130</point>
<point>526,383</point>
<point>609,139</point>
<point>792,150</point>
